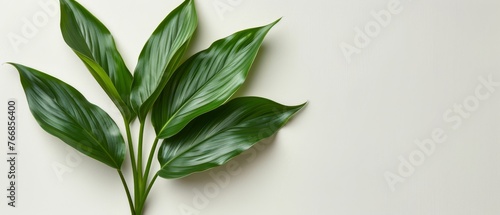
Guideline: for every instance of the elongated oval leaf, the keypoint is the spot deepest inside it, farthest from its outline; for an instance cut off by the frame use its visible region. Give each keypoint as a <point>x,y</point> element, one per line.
<point>217,136</point>
<point>161,56</point>
<point>94,45</point>
<point>63,112</point>
<point>206,80</point>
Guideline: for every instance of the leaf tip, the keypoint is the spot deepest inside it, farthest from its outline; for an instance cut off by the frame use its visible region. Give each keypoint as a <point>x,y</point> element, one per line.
<point>267,28</point>
<point>278,20</point>
<point>12,64</point>
<point>189,3</point>
<point>272,24</point>
<point>301,106</point>
<point>15,65</point>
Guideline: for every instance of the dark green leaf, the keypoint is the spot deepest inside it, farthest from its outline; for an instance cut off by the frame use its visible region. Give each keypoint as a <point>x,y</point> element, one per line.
<point>95,46</point>
<point>63,112</point>
<point>215,137</point>
<point>206,80</point>
<point>161,56</point>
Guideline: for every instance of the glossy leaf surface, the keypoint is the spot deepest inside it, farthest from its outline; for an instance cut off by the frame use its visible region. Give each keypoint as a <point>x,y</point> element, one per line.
<point>63,112</point>
<point>161,56</point>
<point>206,80</point>
<point>94,45</point>
<point>215,137</point>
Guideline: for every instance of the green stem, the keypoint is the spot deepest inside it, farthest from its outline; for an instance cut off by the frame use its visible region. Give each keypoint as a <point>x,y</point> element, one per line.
<point>140,177</point>
<point>146,174</point>
<point>129,197</point>
<point>150,160</point>
<point>131,148</point>
<point>150,186</point>
<point>142,201</point>
<point>132,157</point>
<point>139,153</point>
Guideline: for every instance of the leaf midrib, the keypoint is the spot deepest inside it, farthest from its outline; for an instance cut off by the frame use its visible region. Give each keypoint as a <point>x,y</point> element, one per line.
<point>164,69</point>
<point>197,144</point>
<point>197,91</point>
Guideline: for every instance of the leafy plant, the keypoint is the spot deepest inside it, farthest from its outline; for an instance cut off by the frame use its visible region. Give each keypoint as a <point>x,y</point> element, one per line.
<point>197,125</point>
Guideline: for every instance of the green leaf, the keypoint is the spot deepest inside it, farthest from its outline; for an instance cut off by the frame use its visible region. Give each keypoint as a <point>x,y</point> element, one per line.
<point>217,136</point>
<point>206,80</point>
<point>94,45</point>
<point>63,112</point>
<point>161,56</point>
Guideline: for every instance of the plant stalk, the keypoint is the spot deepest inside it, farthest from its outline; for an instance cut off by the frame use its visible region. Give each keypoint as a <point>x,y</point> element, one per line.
<point>143,198</point>
<point>141,185</point>
<point>129,197</point>
<point>150,186</point>
<point>131,148</point>
<point>139,200</point>
<point>132,157</point>
<point>150,160</point>
<point>140,206</point>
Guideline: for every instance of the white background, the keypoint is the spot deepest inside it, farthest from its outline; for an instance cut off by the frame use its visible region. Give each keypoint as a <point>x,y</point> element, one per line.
<point>331,158</point>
